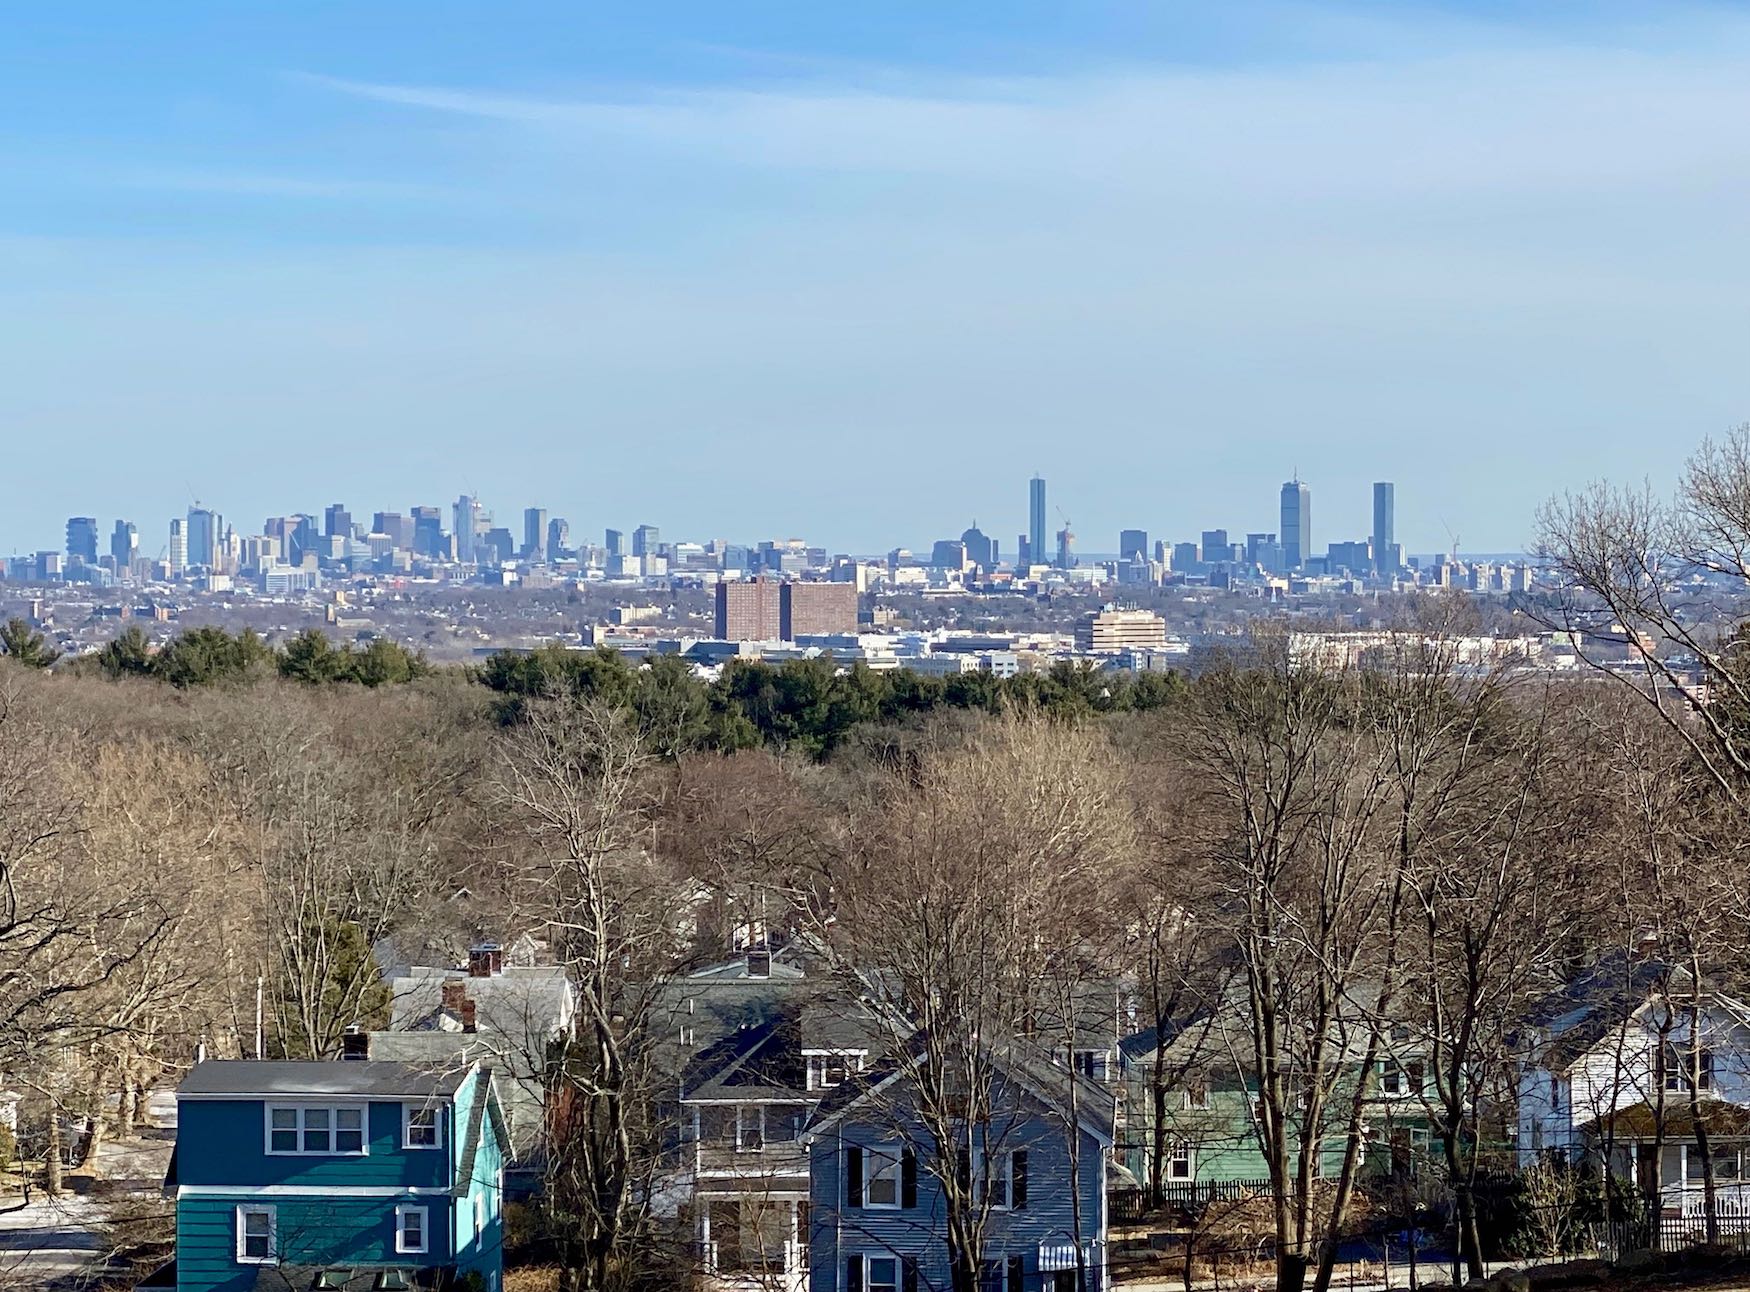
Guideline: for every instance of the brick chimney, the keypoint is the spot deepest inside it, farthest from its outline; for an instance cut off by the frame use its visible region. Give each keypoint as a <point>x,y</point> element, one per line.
<point>355,1043</point>
<point>455,996</point>
<point>485,960</point>
<point>468,1016</point>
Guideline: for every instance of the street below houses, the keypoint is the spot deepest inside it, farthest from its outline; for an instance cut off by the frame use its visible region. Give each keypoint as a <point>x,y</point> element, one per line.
<point>64,1242</point>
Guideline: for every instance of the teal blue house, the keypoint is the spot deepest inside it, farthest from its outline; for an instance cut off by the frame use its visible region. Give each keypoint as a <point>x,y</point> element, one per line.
<point>336,1176</point>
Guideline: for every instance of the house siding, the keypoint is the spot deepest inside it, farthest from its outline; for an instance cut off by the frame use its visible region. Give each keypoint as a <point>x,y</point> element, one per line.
<point>320,1217</point>
<point>310,1230</point>
<point>838,1231</point>
<point>223,1142</point>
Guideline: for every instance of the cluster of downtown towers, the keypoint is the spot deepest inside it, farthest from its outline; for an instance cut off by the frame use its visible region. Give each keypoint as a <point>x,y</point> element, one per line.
<point>1281,553</point>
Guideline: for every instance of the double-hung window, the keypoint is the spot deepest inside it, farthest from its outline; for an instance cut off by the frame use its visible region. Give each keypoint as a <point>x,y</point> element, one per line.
<point>1001,1178</point>
<point>315,1129</point>
<point>1678,1061</point>
<point>411,1236</point>
<point>882,1176</point>
<point>1179,1162</point>
<point>750,1128</point>
<point>257,1241</point>
<point>1196,1097</point>
<point>883,1274</point>
<point>420,1127</point>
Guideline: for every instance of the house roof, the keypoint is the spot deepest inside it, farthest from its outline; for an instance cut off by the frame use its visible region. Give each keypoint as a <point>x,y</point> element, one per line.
<point>1578,1015</point>
<point>1052,1084</point>
<point>758,1063</point>
<point>1641,1121</point>
<point>360,1078</point>
<point>525,1004</point>
<point>485,1110</point>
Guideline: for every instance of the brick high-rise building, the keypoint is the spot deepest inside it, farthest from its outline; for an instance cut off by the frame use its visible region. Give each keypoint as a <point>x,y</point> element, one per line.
<point>748,611</point>
<point>809,609</point>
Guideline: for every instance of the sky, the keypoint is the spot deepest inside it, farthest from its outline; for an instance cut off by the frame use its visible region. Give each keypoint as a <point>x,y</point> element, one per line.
<point>854,272</point>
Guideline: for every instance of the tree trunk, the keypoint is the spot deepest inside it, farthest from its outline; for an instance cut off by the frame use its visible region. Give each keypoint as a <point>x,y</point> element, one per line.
<point>52,1154</point>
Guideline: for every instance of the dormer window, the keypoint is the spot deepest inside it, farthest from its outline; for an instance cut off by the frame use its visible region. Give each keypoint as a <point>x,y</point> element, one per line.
<point>759,962</point>
<point>827,1071</point>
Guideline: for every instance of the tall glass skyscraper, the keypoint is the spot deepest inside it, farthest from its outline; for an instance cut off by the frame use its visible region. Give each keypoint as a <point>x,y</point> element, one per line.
<point>1036,519</point>
<point>203,537</point>
<point>1296,524</point>
<point>1384,526</point>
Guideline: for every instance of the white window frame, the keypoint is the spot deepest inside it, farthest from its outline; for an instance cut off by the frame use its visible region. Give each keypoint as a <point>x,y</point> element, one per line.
<point>744,1115</point>
<point>1181,1152</point>
<point>869,1284</point>
<point>301,1130</point>
<point>437,1126</point>
<point>894,1154</point>
<point>1394,1079</point>
<point>479,1213</point>
<point>402,1212</point>
<point>1002,1174</point>
<point>245,1209</point>
<point>1198,1098</point>
<point>848,1063</point>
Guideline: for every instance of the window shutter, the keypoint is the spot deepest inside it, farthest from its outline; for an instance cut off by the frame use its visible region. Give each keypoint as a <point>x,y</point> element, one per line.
<point>854,1274</point>
<point>963,1169</point>
<point>1018,1182</point>
<point>908,1179</point>
<point>1017,1275</point>
<point>909,1277</point>
<point>853,1179</point>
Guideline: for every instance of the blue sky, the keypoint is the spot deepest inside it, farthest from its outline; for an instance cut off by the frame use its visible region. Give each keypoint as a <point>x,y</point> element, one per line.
<point>853,272</point>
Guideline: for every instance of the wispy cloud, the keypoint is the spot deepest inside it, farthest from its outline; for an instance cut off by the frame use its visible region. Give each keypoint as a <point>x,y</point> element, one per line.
<point>318,188</point>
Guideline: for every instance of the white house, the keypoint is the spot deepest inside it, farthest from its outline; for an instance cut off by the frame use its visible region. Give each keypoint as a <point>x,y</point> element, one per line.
<point>1610,1066</point>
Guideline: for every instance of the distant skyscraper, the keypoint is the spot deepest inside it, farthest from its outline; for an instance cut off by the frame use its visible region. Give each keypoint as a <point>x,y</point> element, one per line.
<point>202,534</point>
<point>1066,548</point>
<point>428,531</point>
<point>558,536</point>
<point>1216,547</point>
<point>981,550</point>
<point>535,533</point>
<point>399,528</point>
<point>1036,535</point>
<point>82,539</point>
<point>1296,525</point>
<point>1132,543</point>
<point>1385,505</point>
<point>464,526</point>
<point>615,542</point>
<point>337,521</point>
<point>300,538</point>
<point>1023,552</point>
<point>124,545</point>
<point>178,548</point>
<point>645,540</point>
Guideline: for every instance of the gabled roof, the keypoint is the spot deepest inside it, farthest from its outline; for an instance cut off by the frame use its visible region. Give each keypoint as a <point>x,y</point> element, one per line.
<point>1579,1014</point>
<point>356,1078</point>
<point>486,1110</point>
<point>757,1063</point>
<point>1053,1085</point>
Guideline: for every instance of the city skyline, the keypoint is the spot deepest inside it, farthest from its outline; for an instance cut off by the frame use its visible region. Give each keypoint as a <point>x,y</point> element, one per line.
<point>535,529</point>
<point>745,268</point>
